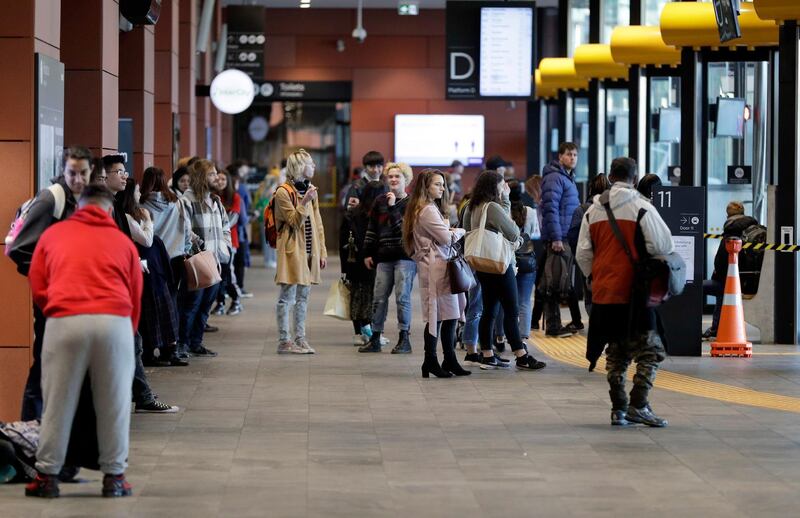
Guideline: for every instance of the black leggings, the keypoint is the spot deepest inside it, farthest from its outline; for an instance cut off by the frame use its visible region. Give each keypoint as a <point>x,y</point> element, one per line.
<point>499,290</point>
<point>447,330</point>
<point>227,285</point>
<point>238,264</point>
<point>358,324</point>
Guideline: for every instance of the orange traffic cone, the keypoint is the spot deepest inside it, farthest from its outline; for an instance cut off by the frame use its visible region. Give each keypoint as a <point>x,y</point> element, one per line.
<point>731,336</point>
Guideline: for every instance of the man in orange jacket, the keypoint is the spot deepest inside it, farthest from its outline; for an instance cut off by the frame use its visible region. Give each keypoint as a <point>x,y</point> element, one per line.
<point>86,276</point>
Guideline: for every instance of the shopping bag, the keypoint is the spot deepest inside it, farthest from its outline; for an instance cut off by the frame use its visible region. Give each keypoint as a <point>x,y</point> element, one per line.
<point>338,303</point>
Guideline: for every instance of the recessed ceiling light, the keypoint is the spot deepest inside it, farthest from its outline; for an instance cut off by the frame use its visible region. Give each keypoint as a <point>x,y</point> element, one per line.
<point>305,6</point>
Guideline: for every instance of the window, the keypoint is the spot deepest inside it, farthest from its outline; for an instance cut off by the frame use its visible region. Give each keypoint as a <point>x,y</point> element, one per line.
<point>578,25</point>
<point>615,13</point>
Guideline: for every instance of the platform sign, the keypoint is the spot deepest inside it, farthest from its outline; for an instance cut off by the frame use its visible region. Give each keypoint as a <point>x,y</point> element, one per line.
<point>683,210</point>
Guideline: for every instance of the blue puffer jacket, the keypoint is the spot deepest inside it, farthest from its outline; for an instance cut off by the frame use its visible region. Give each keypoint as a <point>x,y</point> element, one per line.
<point>559,201</point>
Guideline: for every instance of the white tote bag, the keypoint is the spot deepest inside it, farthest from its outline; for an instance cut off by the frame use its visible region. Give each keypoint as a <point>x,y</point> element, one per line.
<point>338,303</point>
<point>487,251</point>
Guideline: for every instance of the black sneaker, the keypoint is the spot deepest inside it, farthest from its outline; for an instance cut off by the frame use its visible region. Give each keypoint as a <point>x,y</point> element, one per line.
<point>235,309</point>
<point>645,416</point>
<point>709,334</point>
<point>493,363</point>
<point>529,363</point>
<point>575,328</point>
<point>618,418</point>
<point>219,309</point>
<point>156,407</point>
<point>43,486</point>
<point>561,332</point>
<point>116,486</point>
<point>201,351</point>
<point>210,329</point>
<point>473,359</point>
<point>501,359</point>
<point>500,346</point>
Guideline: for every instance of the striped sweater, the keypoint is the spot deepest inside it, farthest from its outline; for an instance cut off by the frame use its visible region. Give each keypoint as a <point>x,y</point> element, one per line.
<point>384,238</point>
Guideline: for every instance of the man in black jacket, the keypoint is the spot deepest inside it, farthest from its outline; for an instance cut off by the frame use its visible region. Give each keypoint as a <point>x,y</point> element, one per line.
<point>51,205</point>
<point>734,226</point>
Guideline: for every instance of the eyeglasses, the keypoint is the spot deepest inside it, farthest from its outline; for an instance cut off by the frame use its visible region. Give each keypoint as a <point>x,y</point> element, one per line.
<point>121,172</point>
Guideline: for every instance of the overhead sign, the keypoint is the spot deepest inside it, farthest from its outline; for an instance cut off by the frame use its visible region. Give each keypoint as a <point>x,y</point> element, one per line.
<point>232,91</point>
<point>269,91</point>
<point>727,14</point>
<point>489,50</point>
<point>246,39</point>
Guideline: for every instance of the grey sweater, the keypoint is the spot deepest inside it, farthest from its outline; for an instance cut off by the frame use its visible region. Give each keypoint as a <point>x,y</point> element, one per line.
<point>498,219</point>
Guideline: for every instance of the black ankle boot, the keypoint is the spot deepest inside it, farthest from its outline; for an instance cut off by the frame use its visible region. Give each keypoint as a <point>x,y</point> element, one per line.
<point>431,366</point>
<point>403,344</point>
<point>374,344</point>
<point>450,362</point>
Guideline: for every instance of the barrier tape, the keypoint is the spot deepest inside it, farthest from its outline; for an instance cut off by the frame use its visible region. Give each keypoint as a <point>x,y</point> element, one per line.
<point>760,246</point>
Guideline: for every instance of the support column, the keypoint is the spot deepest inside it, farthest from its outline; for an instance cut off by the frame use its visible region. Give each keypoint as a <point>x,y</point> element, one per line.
<point>25,29</point>
<point>788,169</point>
<point>90,52</point>
<point>137,92</point>
<point>691,107</point>
<point>186,78</point>
<point>166,85</point>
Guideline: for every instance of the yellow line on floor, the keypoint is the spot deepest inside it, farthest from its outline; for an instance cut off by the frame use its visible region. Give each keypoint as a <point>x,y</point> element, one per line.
<point>571,351</point>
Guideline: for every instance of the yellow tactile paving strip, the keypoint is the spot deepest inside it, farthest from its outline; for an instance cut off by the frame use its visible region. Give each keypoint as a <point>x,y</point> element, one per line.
<point>571,351</point>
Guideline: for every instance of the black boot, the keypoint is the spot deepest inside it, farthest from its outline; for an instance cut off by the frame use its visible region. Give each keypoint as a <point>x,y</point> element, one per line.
<point>403,344</point>
<point>374,344</point>
<point>450,362</point>
<point>431,363</point>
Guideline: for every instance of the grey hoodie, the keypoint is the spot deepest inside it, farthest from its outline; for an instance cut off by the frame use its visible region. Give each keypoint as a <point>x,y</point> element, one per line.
<point>169,224</point>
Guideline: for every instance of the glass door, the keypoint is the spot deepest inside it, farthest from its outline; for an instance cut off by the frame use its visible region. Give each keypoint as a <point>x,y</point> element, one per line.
<point>617,125</point>
<point>664,126</point>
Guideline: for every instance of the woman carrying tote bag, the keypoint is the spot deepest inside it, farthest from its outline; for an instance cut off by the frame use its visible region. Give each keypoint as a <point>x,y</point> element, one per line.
<point>489,209</point>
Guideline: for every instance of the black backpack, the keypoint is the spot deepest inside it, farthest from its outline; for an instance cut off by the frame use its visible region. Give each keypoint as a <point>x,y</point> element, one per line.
<point>750,259</point>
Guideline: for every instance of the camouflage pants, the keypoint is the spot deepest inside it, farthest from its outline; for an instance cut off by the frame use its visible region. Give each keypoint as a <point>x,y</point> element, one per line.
<point>647,351</point>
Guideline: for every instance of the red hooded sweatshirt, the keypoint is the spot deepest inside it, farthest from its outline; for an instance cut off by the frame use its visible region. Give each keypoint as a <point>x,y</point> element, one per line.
<point>86,265</point>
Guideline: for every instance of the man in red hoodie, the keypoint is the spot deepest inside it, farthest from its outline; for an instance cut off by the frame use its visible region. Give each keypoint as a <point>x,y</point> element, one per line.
<point>86,276</point>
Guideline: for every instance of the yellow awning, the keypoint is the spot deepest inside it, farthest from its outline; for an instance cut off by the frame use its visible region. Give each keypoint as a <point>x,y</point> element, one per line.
<point>559,73</point>
<point>642,45</point>
<point>777,9</point>
<point>693,24</point>
<point>594,61</point>
<point>543,91</point>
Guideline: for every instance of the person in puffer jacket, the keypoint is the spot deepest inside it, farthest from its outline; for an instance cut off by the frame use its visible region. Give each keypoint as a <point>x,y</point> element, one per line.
<point>559,201</point>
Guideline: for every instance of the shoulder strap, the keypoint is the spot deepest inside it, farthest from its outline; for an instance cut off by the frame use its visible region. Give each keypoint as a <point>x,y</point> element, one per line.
<point>60,200</point>
<point>617,232</point>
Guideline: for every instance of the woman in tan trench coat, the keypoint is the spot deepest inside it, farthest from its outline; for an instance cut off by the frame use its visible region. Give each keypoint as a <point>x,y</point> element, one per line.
<point>300,250</point>
<point>429,240</point>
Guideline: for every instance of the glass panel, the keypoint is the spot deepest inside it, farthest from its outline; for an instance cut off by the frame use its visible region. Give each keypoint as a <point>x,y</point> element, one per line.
<point>617,124</point>
<point>615,12</point>
<point>580,136</point>
<point>664,135</point>
<point>578,24</point>
<point>651,11</point>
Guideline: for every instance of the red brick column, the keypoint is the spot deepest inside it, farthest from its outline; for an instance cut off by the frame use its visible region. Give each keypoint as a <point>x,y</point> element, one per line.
<point>187,35</point>
<point>137,92</point>
<point>166,83</point>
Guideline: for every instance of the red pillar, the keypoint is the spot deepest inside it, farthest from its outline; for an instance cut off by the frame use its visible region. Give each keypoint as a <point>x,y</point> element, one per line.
<point>166,84</point>
<point>186,77</point>
<point>137,92</point>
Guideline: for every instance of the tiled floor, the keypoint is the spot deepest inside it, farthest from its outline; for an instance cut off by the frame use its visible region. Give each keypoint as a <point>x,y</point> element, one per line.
<point>343,434</point>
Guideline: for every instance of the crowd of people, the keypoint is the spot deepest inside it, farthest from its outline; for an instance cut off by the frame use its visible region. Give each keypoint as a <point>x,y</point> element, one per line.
<point>111,293</point>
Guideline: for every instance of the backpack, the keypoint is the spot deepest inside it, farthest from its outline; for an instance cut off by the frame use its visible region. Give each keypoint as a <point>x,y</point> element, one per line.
<point>556,281</point>
<point>270,223</point>
<point>22,213</point>
<point>750,259</point>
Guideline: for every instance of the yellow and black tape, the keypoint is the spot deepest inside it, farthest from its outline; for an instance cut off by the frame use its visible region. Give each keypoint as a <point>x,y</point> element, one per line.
<point>760,246</point>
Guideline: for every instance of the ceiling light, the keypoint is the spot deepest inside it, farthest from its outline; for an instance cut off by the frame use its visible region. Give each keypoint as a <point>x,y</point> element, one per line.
<point>305,6</point>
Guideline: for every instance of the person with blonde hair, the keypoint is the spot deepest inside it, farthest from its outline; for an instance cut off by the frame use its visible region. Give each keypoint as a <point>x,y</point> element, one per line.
<point>300,250</point>
<point>383,251</point>
<point>428,238</point>
<point>211,231</point>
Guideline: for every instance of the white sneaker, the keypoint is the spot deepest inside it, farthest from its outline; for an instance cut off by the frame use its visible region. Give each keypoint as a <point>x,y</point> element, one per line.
<point>304,347</point>
<point>359,340</point>
<point>289,348</point>
<point>384,340</point>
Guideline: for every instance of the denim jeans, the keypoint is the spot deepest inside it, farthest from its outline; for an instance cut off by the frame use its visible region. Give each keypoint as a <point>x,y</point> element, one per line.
<point>142,393</point>
<point>525,282</point>
<point>32,397</point>
<point>473,314</point>
<point>399,275</point>
<point>193,314</point>
<point>499,290</point>
<point>293,297</point>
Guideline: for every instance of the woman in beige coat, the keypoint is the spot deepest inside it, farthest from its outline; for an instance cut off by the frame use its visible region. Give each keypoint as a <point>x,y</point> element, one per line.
<point>429,240</point>
<point>300,250</point>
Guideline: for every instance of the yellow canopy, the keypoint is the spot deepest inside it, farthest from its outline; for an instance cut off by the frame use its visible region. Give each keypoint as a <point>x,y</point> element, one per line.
<point>559,73</point>
<point>693,24</point>
<point>642,45</point>
<point>594,61</point>
<point>777,9</point>
<point>543,91</point>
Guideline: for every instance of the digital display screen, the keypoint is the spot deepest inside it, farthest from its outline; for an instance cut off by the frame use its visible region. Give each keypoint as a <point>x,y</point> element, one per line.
<point>506,52</point>
<point>437,140</point>
<point>669,125</point>
<point>730,117</point>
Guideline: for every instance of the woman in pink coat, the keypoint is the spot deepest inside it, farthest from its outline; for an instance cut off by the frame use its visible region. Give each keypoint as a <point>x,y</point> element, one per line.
<point>428,239</point>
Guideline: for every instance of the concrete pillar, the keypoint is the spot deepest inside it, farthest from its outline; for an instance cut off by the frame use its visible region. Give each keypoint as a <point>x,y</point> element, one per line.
<point>137,92</point>
<point>25,28</point>
<point>187,35</point>
<point>166,84</point>
<point>90,52</point>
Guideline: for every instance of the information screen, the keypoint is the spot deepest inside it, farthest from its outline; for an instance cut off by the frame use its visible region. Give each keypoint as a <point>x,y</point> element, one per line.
<point>506,51</point>
<point>437,140</point>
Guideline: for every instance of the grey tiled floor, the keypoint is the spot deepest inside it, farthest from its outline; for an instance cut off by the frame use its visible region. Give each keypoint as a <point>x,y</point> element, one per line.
<point>343,434</point>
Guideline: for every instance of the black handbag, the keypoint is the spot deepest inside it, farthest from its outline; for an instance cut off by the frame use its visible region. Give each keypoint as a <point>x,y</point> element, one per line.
<point>525,256</point>
<point>459,272</point>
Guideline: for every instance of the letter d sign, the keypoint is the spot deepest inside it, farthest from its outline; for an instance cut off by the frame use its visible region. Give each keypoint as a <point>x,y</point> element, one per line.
<point>454,56</point>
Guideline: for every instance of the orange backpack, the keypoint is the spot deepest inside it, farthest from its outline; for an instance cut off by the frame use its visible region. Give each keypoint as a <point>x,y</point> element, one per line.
<point>270,224</point>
